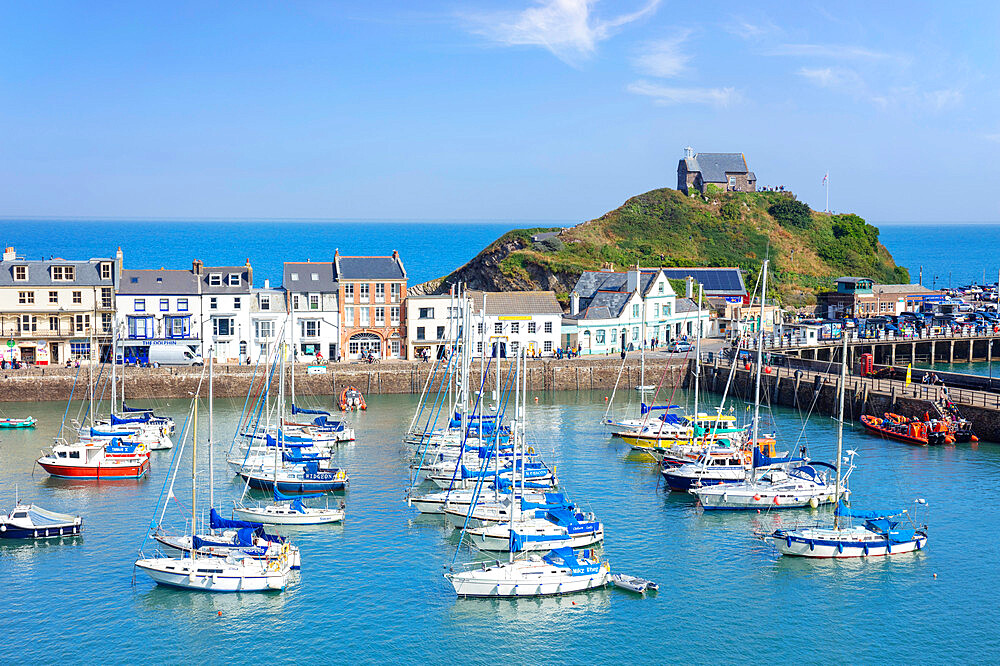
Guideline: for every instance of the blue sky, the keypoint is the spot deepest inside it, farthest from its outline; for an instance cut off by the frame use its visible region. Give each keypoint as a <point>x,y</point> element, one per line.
<point>554,109</point>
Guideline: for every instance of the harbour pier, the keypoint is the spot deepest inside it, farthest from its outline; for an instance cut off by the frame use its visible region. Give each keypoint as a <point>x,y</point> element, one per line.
<point>811,385</point>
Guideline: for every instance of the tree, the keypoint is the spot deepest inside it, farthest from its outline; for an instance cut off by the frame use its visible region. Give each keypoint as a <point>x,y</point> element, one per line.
<point>791,213</point>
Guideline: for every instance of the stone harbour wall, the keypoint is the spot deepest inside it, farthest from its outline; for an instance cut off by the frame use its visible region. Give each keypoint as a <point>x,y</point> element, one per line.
<point>232,381</point>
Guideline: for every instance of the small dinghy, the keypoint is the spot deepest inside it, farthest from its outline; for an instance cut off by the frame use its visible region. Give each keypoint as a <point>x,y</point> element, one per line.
<point>27,521</point>
<point>19,423</point>
<point>633,583</point>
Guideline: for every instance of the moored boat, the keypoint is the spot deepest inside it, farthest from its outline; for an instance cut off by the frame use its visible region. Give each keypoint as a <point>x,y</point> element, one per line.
<point>28,521</point>
<point>561,571</point>
<point>96,459</point>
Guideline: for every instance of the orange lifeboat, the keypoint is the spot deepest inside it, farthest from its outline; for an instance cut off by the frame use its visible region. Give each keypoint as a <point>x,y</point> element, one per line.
<point>351,399</point>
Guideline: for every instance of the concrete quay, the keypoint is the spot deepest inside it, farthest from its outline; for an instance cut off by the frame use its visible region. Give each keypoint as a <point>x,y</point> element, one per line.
<point>816,390</point>
<point>232,381</point>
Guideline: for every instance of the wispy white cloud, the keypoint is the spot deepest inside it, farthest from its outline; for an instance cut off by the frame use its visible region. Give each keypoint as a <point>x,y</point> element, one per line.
<point>832,51</point>
<point>851,82</point>
<point>838,78</point>
<point>570,29</point>
<point>670,95</point>
<point>665,58</point>
<point>751,31</point>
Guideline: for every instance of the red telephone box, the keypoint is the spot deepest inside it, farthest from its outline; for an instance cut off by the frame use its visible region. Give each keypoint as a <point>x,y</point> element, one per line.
<point>867,364</point>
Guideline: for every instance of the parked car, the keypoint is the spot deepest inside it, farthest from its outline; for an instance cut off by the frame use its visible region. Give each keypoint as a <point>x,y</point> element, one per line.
<point>679,346</point>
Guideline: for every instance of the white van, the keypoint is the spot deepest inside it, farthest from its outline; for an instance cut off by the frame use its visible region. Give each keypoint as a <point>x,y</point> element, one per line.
<point>173,355</point>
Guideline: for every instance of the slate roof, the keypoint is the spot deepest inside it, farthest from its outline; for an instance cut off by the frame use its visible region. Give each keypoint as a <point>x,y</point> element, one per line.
<point>516,302</point>
<point>370,268</point>
<point>325,271</point>
<point>141,281</point>
<point>716,281</point>
<point>684,305</point>
<point>87,273</point>
<point>847,279</point>
<point>604,294</point>
<point>225,288</point>
<point>150,281</point>
<point>715,166</point>
<point>903,289</point>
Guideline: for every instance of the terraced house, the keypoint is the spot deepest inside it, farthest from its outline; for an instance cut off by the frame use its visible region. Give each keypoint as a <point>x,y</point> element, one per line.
<point>372,305</point>
<point>611,311</point>
<point>200,308</point>
<point>54,310</point>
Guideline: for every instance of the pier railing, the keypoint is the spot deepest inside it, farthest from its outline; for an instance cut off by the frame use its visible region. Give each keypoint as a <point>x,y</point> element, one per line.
<point>798,341</point>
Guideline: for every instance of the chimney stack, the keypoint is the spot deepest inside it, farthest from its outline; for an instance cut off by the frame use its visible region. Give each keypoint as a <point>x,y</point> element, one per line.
<point>574,303</point>
<point>196,266</point>
<point>9,254</point>
<point>689,287</point>
<point>249,273</point>
<point>632,280</point>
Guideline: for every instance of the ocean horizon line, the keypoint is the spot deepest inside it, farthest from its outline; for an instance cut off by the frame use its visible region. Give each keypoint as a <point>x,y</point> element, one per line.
<point>293,220</point>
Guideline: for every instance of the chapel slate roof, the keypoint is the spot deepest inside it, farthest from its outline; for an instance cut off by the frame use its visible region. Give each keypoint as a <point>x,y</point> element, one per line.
<point>325,271</point>
<point>370,268</point>
<point>715,166</point>
<point>87,273</point>
<point>515,302</point>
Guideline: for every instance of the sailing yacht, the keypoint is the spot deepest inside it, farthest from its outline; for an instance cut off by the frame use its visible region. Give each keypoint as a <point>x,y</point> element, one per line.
<point>237,570</point>
<point>799,486</point>
<point>561,571</point>
<point>881,533</point>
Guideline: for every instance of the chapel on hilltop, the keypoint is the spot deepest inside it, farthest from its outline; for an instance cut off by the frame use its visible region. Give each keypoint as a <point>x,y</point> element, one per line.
<point>728,171</point>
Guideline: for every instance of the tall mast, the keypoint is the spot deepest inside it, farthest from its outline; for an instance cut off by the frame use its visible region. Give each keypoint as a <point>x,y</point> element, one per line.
<point>513,433</point>
<point>760,353</point>
<point>293,352</point>
<point>114,371</point>
<point>211,430</point>
<point>840,424</point>
<point>194,475</point>
<point>697,355</point>
<point>642,349</point>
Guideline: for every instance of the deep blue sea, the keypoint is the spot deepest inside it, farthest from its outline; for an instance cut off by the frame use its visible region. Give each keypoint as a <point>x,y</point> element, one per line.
<point>429,249</point>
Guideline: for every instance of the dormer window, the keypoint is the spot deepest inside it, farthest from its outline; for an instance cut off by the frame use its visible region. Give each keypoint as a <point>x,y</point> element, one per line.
<point>134,280</point>
<point>105,271</point>
<point>63,273</point>
<point>295,277</point>
<point>315,277</point>
<point>20,273</point>
<point>215,279</point>
<point>234,279</point>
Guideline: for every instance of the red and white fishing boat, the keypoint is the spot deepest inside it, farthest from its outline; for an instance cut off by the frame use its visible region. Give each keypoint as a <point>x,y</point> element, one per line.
<point>97,459</point>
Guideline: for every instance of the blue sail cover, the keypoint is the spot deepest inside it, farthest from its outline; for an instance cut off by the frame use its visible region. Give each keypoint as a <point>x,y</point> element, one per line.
<point>299,410</point>
<point>270,441</point>
<point>570,519</point>
<point>119,420</point>
<point>761,460</point>
<point>646,409</point>
<point>297,458</point>
<point>217,522</point>
<point>94,432</point>
<point>517,541</point>
<point>568,560</point>
<point>846,511</point>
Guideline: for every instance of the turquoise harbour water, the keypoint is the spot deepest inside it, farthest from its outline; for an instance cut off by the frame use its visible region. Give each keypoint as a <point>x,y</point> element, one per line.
<point>372,590</point>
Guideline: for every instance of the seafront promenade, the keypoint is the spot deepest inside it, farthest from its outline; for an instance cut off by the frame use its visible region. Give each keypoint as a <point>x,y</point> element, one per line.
<point>33,384</point>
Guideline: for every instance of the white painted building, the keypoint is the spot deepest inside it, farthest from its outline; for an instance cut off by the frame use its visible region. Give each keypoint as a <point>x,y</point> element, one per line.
<point>268,321</point>
<point>206,306</point>
<point>611,311</point>
<point>313,295</point>
<point>431,324</point>
<point>517,320</point>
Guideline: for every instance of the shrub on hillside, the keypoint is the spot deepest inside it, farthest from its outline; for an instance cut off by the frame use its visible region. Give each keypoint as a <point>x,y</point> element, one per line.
<point>791,213</point>
<point>730,211</point>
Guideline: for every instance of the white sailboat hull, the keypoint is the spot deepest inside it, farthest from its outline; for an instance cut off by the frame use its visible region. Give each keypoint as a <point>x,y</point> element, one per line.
<point>271,515</point>
<point>213,575</point>
<point>524,579</point>
<point>829,544</point>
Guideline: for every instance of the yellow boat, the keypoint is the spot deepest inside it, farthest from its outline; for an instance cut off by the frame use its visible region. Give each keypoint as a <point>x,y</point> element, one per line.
<point>703,429</point>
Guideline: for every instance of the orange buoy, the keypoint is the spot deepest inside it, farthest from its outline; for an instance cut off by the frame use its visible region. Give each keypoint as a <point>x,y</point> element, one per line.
<point>746,367</point>
<point>767,369</point>
<point>605,398</point>
<point>973,438</point>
